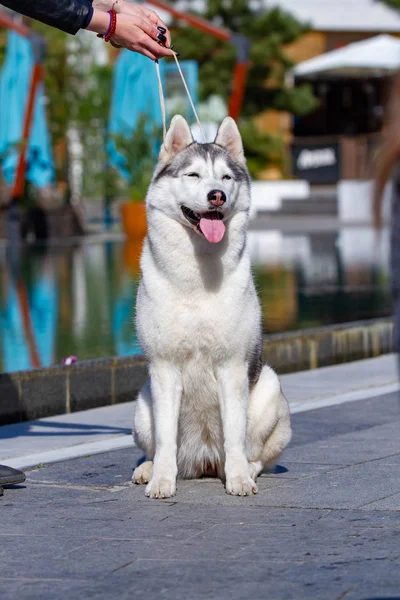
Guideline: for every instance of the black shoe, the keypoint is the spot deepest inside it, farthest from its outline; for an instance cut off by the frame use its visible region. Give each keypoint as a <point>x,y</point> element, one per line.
<point>10,476</point>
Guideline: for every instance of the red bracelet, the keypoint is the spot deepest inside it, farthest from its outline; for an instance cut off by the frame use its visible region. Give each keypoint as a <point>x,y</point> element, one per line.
<point>111,28</point>
<point>113,25</point>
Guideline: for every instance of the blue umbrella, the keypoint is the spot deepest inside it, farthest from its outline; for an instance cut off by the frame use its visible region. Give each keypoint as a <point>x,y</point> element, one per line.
<point>15,78</point>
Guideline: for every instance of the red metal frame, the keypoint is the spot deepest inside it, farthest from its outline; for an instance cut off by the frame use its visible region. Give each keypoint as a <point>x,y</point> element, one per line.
<point>239,85</point>
<point>242,63</point>
<point>198,22</point>
<point>23,300</point>
<point>36,78</point>
<point>9,23</point>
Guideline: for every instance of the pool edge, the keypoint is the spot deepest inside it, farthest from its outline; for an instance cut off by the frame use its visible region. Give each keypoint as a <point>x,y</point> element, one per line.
<point>55,390</point>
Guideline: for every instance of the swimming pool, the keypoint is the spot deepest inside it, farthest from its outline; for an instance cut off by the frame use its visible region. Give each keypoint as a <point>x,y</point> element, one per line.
<point>77,299</point>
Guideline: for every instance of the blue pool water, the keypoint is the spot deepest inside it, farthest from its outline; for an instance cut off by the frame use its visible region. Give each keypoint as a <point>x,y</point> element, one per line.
<point>78,299</point>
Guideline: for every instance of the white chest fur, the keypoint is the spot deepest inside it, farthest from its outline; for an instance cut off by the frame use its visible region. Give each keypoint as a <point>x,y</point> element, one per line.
<point>196,307</point>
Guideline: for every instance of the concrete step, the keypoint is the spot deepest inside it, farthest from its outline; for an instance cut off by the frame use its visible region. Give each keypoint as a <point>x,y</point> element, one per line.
<point>323,191</point>
<point>312,206</point>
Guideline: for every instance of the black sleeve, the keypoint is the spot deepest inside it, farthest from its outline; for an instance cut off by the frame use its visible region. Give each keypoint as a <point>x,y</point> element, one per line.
<point>67,15</point>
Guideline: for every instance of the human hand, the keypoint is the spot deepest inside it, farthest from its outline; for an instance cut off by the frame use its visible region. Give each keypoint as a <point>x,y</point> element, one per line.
<point>146,20</point>
<point>136,33</point>
<point>135,9</point>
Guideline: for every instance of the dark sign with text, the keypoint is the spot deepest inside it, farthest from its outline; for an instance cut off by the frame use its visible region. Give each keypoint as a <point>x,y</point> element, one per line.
<point>316,163</point>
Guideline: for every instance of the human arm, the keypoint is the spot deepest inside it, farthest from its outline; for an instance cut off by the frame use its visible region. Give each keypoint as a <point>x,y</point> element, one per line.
<point>136,27</point>
<point>67,15</point>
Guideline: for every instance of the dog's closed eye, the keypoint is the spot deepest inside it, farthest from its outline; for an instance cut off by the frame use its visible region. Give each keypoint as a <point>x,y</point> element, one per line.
<point>193,175</point>
<point>226,178</point>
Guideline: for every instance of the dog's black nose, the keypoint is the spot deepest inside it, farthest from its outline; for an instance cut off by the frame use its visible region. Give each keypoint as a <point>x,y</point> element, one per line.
<point>217,197</point>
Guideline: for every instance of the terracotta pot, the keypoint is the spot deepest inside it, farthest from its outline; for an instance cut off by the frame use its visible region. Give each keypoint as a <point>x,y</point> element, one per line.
<point>133,216</point>
<point>132,251</point>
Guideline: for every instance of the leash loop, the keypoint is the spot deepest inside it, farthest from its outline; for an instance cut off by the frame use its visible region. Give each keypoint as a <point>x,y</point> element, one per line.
<point>162,98</point>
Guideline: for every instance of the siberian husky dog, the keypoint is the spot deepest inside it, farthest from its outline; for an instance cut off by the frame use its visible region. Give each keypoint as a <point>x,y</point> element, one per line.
<point>210,408</point>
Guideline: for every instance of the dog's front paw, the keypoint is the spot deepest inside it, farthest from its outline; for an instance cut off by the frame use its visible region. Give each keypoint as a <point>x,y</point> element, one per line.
<point>142,473</point>
<point>241,485</point>
<point>161,487</point>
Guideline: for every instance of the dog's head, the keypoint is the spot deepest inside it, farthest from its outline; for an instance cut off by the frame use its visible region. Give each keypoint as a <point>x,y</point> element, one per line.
<point>201,186</point>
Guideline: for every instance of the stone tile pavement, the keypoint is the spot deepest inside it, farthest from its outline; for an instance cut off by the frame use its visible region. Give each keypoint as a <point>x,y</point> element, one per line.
<point>56,438</point>
<point>325,525</point>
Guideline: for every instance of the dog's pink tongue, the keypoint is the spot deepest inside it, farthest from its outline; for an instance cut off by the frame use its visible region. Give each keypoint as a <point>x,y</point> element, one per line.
<point>213,228</point>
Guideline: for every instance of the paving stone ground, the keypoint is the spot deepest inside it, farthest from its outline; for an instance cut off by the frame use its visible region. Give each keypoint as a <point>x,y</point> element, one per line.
<point>325,525</point>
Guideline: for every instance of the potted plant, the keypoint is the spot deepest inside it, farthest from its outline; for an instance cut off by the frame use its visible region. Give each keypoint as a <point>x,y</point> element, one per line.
<point>138,155</point>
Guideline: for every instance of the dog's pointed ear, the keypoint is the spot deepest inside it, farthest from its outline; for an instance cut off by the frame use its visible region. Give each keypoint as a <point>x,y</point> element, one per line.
<point>178,138</point>
<point>229,137</point>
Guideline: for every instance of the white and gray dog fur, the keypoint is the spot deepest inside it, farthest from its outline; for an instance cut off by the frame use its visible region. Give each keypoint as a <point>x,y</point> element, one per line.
<point>210,407</point>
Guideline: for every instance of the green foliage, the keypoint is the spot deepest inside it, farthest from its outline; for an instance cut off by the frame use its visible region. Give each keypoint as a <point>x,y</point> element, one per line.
<point>92,118</point>
<point>59,76</point>
<point>138,156</point>
<point>260,148</point>
<point>78,91</point>
<point>268,31</point>
<point>392,3</point>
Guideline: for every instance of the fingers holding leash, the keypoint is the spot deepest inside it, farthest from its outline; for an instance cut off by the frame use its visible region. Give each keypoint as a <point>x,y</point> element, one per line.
<point>138,34</point>
<point>151,24</point>
<point>146,13</point>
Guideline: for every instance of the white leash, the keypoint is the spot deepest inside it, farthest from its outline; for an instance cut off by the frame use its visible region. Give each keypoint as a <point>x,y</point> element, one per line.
<point>162,99</point>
